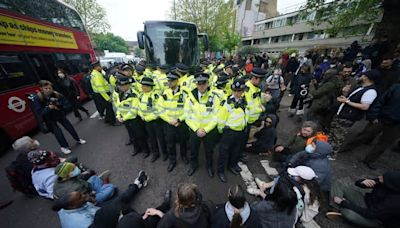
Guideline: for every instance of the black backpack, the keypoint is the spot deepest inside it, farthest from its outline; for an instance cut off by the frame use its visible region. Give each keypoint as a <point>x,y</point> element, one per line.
<point>19,175</point>
<point>86,85</point>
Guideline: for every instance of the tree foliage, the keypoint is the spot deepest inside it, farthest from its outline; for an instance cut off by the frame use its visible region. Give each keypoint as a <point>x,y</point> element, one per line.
<point>213,17</point>
<point>341,14</point>
<point>248,49</point>
<point>111,42</point>
<point>93,15</point>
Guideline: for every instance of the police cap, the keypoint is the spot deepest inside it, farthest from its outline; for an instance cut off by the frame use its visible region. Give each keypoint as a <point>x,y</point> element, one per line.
<point>126,66</point>
<point>201,77</point>
<point>258,72</point>
<point>182,67</point>
<point>164,67</point>
<point>147,81</point>
<point>238,84</point>
<point>140,69</point>
<point>123,80</point>
<point>172,76</point>
<point>222,78</point>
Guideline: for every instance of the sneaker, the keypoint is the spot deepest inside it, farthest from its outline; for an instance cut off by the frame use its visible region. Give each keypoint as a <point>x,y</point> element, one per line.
<point>105,176</point>
<point>333,215</point>
<point>141,180</point>
<point>101,117</point>
<point>65,150</point>
<point>81,141</point>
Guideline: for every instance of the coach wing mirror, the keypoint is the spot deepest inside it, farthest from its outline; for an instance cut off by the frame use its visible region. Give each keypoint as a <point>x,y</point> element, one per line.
<point>140,39</point>
<point>205,40</point>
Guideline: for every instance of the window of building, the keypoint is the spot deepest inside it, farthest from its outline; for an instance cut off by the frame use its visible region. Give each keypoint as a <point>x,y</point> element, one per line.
<point>285,38</point>
<point>299,36</point>
<point>275,39</point>
<point>256,41</point>
<point>264,40</point>
<point>268,25</point>
<point>13,72</point>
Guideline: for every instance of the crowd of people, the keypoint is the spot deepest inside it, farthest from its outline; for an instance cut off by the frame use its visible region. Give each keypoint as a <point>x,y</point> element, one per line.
<point>232,103</point>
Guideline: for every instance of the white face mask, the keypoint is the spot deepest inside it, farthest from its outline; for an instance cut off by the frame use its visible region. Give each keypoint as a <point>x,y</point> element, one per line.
<point>75,172</point>
<point>61,75</point>
<point>310,148</point>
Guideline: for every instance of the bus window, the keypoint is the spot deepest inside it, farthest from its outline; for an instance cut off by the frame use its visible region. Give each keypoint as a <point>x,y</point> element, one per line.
<point>50,64</point>
<point>78,62</point>
<point>39,67</point>
<point>13,72</point>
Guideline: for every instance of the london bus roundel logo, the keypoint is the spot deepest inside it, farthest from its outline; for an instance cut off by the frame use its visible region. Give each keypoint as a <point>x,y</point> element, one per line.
<point>16,104</point>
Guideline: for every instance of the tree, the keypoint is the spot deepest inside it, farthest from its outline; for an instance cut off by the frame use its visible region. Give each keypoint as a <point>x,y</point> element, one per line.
<point>231,40</point>
<point>211,16</point>
<point>138,52</point>
<point>93,15</point>
<point>342,14</point>
<point>110,42</point>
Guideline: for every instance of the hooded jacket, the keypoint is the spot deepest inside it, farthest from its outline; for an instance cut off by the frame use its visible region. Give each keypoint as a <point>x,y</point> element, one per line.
<point>383,202</point>
<point>387,108</point>
<point>198,216</point>
<point>318,161</point>
<point>324,97</point>
<point>223,215</point>
<point>266,138</point>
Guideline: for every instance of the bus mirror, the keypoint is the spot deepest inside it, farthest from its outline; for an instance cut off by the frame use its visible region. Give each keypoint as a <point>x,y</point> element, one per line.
<point>205,40</point>
<point>140,39</point>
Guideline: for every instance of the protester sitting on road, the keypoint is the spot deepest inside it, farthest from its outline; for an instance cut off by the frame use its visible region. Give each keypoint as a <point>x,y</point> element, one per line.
<point>236,212</point>
<point>189,211</point>
<point>43,176</point>
<point>266,137</point>
<point>278,208</point>
<point>315,156</point>
<point>50,105</point>
<point>70,180</point>
<point>296,143</point>
<point>381,206</point>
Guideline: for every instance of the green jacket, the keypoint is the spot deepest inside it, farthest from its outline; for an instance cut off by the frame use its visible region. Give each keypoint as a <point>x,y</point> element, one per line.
<point>324,98</point>
<point>296,144</point>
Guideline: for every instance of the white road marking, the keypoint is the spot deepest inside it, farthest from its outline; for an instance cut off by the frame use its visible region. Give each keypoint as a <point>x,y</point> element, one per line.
<point>94,115</point>
<point>248,179</point>
<point>270,171</point>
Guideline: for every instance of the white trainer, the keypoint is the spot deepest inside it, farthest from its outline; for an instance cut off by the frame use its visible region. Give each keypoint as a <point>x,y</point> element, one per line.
<point>81,141</point>
<point>65,150</point>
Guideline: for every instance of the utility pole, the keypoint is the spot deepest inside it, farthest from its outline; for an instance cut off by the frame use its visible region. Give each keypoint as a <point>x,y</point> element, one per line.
<point>174,10</point>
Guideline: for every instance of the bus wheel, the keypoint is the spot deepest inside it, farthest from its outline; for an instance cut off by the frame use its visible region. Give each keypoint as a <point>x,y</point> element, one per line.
<point>4,142</point>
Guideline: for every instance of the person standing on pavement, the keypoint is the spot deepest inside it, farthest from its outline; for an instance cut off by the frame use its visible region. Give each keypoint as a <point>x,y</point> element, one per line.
<point>126,102</point>
<point>68,87</point>
<point>101,94</point>
<point>384,119</point>
<point>200,110</point>
<point>232,122</point>
<point>171,104</point>
<point>149,112</point>
<point>300,91</point>
<point>352,108</point>
<point>50,105</point>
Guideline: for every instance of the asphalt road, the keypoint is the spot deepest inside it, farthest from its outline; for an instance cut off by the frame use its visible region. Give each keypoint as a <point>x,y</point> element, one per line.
<point>105,149</point>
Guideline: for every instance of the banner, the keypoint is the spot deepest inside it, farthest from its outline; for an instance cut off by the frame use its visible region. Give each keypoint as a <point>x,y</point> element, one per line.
<point>19,32</point>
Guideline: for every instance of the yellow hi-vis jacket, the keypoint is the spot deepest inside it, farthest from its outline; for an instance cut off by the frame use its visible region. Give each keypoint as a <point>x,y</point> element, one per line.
<point>126,105</point>
<point>136,84</point>
<point>171,105</point>
<point>233,115</point>
<point>253,99</point>
<point>161,82</point>
<point>220,93</point>
<point>148,106</point>
<point>100,85</point>
<point>201,112</point>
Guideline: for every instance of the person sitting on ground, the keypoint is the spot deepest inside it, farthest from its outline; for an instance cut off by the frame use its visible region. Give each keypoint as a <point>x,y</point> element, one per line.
<point>43,176</point>
<point>70,180</point>
<point>266,137</point>
<point>278,208</point>
<point>236,212</point>
<point>296,143</point>
<point>315,156</point>
<point>381,206</point>
<point>189,211</point>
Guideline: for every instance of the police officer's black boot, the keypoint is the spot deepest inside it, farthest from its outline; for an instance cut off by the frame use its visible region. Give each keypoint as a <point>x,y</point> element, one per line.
<point>221,176</point>
<point>210,170</point>
<point>171,166</point>
<point>155,157</point>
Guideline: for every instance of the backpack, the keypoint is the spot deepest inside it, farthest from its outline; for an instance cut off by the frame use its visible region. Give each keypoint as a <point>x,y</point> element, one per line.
<point>86,84</point>
<point>19,175</point>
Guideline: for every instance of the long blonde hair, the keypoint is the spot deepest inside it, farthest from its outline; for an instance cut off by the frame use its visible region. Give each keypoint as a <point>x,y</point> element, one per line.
<point>186,196</point>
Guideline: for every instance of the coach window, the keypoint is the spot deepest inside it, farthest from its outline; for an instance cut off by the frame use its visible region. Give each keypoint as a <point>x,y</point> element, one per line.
<point>13,72</point>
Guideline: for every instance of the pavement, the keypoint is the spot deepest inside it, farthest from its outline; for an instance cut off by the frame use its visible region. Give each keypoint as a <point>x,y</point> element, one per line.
<point>105,149</point>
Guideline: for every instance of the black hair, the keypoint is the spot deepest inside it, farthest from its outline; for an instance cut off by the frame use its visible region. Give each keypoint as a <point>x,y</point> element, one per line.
<point>237,198</point>
<point>315,190</point>
<point>283,196</point>
<point>62,203</point>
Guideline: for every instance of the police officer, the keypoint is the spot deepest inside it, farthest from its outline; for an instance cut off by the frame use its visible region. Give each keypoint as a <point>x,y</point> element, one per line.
<point>171,103</point>
<point>149,112</point>
<point>201,109</point>
<point>161,79</point>
<point>232,122</point>
<point>183,72</point>
<point>138,75</point>
<point>125,69</point>
<point>219,89</point>
<point>126,102</point>
<point>102,93</point>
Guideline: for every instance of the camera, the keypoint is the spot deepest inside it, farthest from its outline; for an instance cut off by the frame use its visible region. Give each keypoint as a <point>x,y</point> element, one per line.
<point>55,101</point>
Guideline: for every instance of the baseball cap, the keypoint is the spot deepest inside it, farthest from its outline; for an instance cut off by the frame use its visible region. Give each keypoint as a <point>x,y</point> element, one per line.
<point>304,172</point>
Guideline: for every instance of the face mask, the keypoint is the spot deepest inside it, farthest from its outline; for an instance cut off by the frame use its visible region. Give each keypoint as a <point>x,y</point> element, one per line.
<point>333,65</point>
<point>358,61</point>
<point>75,172</point>
<point>310,148</point>
<point>61,75</point>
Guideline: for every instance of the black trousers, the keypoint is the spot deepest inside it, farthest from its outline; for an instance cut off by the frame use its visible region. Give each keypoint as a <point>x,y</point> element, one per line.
<point>56,130</point>
<point>137,134</point>
<point>76,106</point>
<point>108,215</point>
<point>107,106</point>
<point>297,100</point>
<point>155,133</point>
<point>210,140</point>
<point>229,148</point>
<point>175,135</point>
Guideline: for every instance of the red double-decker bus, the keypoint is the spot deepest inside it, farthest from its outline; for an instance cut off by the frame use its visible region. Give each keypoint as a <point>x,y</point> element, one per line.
<point>36,37</point>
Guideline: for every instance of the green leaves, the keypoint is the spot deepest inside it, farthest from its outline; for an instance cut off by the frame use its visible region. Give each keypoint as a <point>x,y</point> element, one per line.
<point>109,41</point>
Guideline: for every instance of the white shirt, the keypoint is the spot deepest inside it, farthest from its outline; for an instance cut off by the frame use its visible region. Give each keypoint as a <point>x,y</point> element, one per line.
<point>43,180</point>
<point>367,98</point>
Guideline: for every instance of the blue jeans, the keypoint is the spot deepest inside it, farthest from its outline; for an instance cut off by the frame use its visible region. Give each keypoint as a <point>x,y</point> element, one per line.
<point>103,191</point>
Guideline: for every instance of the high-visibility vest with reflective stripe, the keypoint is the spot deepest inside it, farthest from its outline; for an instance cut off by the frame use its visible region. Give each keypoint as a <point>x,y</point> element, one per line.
<point>100,85</point>
<point>253,99</point>
<point>138,79</point>
<point>161,83</point>
<point>148,73</point>
<point>126,105</point>
<point>172,105</point>
<point>220,93</point>
<point>234,118</point>
<point>201,113</point>
<point>148,106</point>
